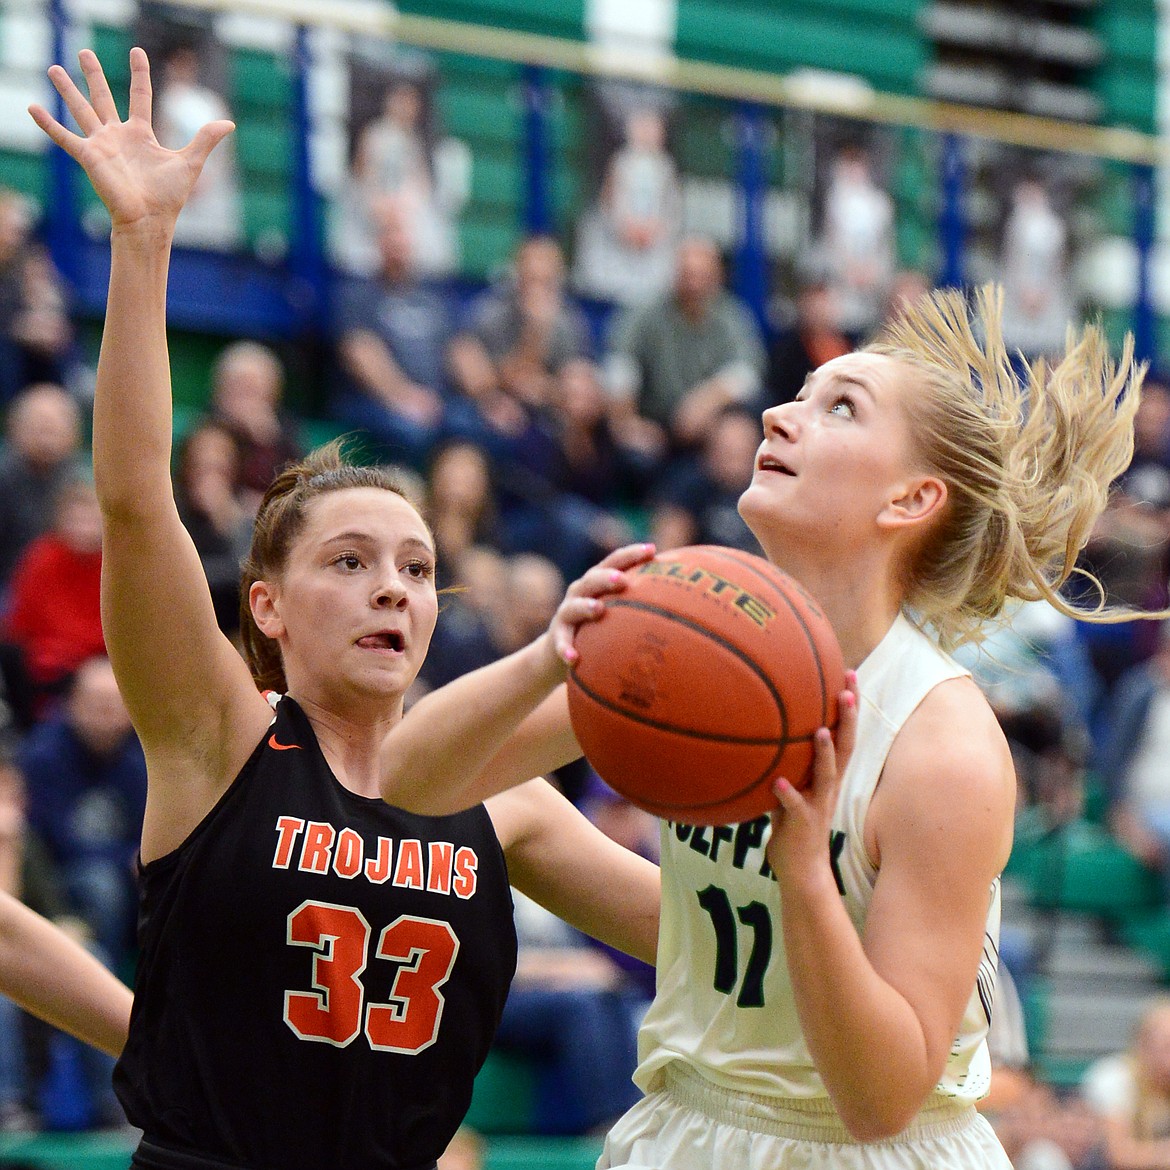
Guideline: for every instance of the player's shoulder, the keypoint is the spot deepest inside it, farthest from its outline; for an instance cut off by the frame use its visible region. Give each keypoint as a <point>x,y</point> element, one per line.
<point>957,702</point>
<point>953,734</point>
<point>949,778</point>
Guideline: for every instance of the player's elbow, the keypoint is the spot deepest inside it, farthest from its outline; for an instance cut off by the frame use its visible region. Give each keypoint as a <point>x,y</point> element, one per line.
<point>873,1128</point>
<point>878,1119</point>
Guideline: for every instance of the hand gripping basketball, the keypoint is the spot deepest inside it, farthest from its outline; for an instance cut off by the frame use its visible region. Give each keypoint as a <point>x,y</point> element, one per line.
<point>703,681</point>
<point>584,599</point>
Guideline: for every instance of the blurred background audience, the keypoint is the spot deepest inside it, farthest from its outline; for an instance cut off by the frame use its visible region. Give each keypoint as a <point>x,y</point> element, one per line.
<point>549,392</point>
<point>36,332</point>
<point>679,359</point>
<point>41,452</point>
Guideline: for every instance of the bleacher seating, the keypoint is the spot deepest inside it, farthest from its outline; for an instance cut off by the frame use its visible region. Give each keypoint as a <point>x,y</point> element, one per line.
<point>837,35</point>
<point>1099,935</point>
<point>1080,867</point>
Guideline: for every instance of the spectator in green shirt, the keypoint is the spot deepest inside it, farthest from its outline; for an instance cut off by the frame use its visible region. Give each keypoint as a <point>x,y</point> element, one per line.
<point>682,358</point>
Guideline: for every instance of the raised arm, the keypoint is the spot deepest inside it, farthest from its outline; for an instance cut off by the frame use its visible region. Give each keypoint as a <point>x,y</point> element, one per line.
<point>504,723</point>
<point>879,1012</point>
<point>189,694</point>
<point>52,976</point>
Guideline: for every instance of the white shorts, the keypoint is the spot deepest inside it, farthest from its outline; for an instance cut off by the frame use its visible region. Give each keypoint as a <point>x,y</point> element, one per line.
<point>692,1124</point>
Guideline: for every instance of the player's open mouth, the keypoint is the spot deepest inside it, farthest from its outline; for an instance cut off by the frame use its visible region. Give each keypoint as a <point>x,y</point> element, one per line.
<point>771,463</point>
<point>384,640</point>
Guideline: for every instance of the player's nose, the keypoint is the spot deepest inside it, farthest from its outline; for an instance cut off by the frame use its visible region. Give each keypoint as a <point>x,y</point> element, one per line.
<point>781,421</point>
<point>390,592</point>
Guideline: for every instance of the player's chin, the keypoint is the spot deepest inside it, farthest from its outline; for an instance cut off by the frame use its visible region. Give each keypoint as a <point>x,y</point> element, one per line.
<point>391,675</point>
<point>756,503</point>
<point>766,516</point>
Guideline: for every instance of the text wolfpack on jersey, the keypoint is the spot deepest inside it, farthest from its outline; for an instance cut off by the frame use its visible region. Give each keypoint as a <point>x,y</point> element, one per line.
<point>436,867</point>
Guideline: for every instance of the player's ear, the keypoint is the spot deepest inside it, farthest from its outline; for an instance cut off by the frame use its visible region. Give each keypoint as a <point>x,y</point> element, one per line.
<point>915,501</point>
<point>264,601</point>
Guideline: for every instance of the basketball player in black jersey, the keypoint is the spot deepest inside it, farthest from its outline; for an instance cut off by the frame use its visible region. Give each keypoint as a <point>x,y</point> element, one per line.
<point>321,973</point>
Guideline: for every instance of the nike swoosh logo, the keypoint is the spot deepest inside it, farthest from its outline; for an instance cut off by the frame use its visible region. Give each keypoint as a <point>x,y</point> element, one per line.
<point>282,747</point>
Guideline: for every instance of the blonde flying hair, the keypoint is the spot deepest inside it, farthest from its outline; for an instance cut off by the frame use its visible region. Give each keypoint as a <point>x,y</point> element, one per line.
<point>279,521</point>
<point>1027,450</point>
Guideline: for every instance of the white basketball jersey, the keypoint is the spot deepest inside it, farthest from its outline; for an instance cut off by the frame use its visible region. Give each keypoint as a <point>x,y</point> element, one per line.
<point>724,1002</point>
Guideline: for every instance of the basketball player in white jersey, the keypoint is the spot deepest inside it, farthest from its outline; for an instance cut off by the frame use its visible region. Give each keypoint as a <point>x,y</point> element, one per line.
<point>826,976</point>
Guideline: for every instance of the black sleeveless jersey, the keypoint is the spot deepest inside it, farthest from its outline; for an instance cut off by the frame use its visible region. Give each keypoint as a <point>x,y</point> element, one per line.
<point>320,974</point>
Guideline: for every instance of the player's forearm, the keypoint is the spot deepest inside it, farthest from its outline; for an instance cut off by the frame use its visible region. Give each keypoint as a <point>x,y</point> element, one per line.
<point>558,862</point>
<point>865,1039</point>
<point>50,975</point>
<point>432,761</point>
<point>132,402</point>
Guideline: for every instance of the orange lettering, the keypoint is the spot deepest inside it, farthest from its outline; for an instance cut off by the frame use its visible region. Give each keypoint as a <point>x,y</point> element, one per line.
<point>318,844</point>
<point>378,868</point>
<point>347,858</point>
<point>408,873</point>
<point>466,863</point>
<point>439,867</point>
<point>287,829</point>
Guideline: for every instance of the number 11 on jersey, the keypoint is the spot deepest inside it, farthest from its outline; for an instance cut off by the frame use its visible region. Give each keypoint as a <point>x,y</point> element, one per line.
<point>755,916</point>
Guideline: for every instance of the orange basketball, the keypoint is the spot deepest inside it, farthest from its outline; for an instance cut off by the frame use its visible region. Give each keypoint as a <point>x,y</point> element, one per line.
<point>704,681</point>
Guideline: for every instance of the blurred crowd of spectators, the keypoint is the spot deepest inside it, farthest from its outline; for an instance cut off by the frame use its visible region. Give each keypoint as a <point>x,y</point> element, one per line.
<point>536,437</point>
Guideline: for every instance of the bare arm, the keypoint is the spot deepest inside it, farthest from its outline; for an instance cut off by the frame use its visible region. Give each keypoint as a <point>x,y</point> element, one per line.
<point>880,1012</point>
<point>52,976</point>
<point>560,859</point>
<point>189,694</point>
<point>504,723</point>
<point>482,733</point>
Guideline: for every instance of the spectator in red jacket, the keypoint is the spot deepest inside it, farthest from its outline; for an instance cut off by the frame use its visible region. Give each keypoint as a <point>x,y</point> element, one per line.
<point>53,613</point>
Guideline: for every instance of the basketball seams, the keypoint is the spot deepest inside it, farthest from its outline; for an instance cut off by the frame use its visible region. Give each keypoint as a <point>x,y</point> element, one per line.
<point>780,743</point>
<point>653,740</point>
<point>804,625</point>
<point>692,733</point>
<point>703,631</point>
<point>691,807</point>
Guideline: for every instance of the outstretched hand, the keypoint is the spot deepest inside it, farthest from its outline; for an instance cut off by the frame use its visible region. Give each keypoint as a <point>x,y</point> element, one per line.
<point>142,184</point>
<point>584,599</point>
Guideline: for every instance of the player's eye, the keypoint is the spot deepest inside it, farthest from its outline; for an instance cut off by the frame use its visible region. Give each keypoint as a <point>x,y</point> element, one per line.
<point>420,570</point>
<point>348,560</point>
